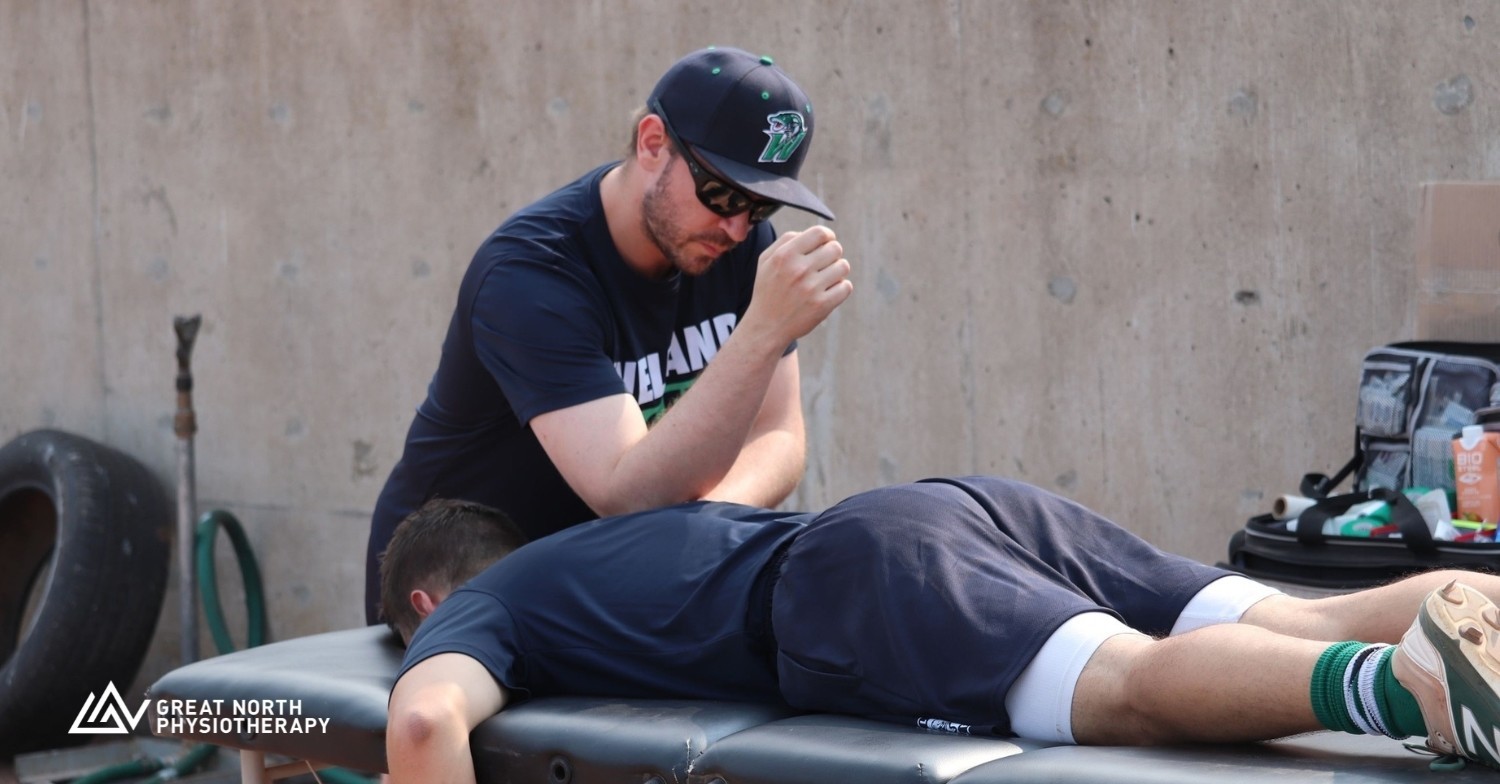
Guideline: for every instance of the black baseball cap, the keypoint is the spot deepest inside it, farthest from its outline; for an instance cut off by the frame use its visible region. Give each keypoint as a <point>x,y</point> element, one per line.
<point>745,118</point>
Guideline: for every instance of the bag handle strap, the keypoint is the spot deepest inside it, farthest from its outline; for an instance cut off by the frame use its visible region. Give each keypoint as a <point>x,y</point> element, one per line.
<point>1404,515</point>
<point>1318,485</point>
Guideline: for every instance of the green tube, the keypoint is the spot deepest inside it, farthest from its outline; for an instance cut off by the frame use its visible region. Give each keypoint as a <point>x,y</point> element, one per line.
<point>208,585</point>
<point>341,776</point>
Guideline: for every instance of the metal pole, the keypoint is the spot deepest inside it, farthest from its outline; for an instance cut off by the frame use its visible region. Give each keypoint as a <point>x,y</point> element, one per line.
<point>185,425</point>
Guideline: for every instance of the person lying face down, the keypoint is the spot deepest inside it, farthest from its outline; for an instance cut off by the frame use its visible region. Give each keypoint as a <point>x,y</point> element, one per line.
<point>977,604</point>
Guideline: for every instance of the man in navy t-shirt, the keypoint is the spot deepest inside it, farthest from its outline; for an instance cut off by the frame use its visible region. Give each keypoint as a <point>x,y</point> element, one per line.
<point>589,313</point>
<point>960,605</point>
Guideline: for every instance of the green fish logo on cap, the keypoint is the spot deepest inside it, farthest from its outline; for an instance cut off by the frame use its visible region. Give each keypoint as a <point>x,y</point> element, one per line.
<point>787,132</point>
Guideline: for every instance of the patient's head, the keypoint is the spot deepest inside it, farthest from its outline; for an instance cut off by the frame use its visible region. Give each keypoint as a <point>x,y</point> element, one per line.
<point>436,549</point>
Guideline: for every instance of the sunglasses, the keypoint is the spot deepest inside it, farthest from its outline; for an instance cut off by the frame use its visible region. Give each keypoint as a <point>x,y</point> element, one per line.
<point>718,196</point>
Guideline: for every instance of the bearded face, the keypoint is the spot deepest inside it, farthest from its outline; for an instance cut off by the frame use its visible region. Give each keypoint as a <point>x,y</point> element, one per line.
<point>668,221</point>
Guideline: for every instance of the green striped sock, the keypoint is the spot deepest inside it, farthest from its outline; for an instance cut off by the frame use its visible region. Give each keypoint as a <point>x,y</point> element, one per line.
<point>1328,687</point>
<point>1353,690</point>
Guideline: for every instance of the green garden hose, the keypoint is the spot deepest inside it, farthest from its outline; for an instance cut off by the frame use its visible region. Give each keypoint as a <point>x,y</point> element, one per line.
<point>208,581</point>
<point>184,764</point>
<point>124,770</point>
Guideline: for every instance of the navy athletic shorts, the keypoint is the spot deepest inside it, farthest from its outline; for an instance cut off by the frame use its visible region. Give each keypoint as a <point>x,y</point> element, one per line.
<point>927,600</point>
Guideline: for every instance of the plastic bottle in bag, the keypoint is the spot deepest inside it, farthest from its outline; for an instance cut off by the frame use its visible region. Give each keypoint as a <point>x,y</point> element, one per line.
<point>1476,473</point>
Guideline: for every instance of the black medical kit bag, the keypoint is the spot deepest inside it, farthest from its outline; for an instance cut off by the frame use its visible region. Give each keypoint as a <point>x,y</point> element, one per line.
<point>1414,398</point>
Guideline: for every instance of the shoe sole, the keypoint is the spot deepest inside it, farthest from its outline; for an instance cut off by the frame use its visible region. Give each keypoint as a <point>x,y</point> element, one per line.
<point>1460,621</point>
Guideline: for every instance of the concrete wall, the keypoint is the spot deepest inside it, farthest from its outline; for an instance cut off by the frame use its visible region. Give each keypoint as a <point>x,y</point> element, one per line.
<point>1129,251</point>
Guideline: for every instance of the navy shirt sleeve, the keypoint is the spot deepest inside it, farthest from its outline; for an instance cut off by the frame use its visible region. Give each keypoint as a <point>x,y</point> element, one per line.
<point>476,625</point>
<point>540,332</point>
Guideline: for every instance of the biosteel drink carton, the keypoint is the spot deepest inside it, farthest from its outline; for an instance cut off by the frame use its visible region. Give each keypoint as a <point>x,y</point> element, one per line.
<point>1476,473</point>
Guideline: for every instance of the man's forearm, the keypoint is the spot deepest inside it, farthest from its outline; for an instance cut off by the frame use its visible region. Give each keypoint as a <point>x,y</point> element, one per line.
<point>617,465</point>
<point>801,278</point>
<point>767,471</point>
<point>697,443</point>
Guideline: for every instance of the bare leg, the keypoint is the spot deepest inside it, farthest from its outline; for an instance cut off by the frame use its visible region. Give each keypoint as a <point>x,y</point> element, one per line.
<point>1245,681</point>
<point>1380,614</point>
<point>1225,683</point>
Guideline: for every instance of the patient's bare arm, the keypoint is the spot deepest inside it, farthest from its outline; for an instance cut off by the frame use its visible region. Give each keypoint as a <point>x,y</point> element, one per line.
<point>433,708</point>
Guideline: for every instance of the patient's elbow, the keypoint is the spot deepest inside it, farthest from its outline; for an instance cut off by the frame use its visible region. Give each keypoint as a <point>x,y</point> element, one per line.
<point>416,726</point>
<point>424,722</point>
<point>427,740</point>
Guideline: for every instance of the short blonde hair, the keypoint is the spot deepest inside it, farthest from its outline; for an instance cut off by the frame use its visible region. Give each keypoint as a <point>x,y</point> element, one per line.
<point>635,135</point>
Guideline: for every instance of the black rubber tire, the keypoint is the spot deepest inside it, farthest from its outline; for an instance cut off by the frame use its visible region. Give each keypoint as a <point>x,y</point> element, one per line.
<point>106,523</point>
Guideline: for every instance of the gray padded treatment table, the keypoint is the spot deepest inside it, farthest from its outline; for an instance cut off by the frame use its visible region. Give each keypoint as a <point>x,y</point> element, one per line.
<point>346,676</point>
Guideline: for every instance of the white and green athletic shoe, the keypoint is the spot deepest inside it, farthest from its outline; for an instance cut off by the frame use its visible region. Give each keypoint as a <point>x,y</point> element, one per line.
<point>1450,661</point>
